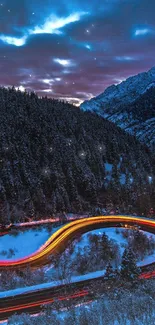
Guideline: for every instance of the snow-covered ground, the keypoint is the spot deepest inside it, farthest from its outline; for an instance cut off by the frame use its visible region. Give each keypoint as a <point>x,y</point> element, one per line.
<point>48,285</point>
<point>108,169</point>
<point>120,240</point>
<point>24,240</point>
<point>23,243</point>
<point>110,232</point>
<point>147,260</point>
<point>114,234</point>
<point>28,241</point>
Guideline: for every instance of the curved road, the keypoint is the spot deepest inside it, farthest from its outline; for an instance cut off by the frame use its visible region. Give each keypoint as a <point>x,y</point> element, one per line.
<point>55,245</point>
<point>59,240</point>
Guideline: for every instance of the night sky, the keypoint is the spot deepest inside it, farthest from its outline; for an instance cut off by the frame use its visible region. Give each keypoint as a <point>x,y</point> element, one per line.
<point>74,49</point>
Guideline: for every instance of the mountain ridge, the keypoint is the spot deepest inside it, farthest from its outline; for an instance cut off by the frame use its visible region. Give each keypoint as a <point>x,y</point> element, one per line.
<point>117,102</point>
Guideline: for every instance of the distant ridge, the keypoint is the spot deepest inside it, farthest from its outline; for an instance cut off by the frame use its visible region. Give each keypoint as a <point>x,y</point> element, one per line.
<point>130,105</point>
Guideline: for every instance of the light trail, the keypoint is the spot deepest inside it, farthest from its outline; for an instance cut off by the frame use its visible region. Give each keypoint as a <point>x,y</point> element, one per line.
<point>42,302</point>
<point>32,301</point>
<point>59,240</point>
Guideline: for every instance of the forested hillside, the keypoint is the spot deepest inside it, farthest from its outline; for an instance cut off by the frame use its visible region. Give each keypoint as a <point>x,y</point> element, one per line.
<point>54,157</point>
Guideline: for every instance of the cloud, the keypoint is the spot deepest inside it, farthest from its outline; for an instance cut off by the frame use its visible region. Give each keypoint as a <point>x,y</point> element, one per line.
<point>13,40</point>
<point>88,46</point>
<point>53,24</point>
<point>51,51</point>
<point>64,62</point>
<point>48,81</point>
<point>142,31</point>
<point>47,90</point>
<point>21,88</point>
<point>124,58</point>
<point>73,100</point>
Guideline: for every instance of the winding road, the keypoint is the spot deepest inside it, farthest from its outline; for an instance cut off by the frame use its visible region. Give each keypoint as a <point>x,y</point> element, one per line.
<point>31,302</point>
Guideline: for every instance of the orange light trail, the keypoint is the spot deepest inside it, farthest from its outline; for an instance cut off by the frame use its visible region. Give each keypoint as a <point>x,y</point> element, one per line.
<point>59,240</point>
<point>56,244</point>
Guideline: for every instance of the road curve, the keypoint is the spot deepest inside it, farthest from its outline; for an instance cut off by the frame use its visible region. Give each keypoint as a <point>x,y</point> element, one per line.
<point>32,301</point>
<point>59,240</point>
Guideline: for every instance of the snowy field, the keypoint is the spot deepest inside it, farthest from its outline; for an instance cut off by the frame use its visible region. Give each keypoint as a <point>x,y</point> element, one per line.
<point>23,243</point>
<point>110,232</point>
<point>119,239</point>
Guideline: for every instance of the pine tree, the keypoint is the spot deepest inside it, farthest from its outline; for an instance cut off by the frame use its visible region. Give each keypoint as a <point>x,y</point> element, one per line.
<point>109,274</point>
<point>129,269</point>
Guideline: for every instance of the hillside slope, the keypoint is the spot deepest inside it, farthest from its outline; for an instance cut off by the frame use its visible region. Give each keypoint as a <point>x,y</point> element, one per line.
<point>130,105</point>
<point>55,157</point>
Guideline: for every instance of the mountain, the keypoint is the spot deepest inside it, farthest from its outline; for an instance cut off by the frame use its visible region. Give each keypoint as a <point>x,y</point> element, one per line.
<point>55,157</point>
<point>131,105</point>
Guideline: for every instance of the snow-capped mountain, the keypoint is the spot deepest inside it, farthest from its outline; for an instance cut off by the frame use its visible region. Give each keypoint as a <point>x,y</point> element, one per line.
<point>130,104</point>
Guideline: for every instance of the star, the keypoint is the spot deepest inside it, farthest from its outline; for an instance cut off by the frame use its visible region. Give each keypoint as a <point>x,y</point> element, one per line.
<point>82,154</point>
<point>46,171</point>
<point>69,142</point>
<point>150,179</point>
